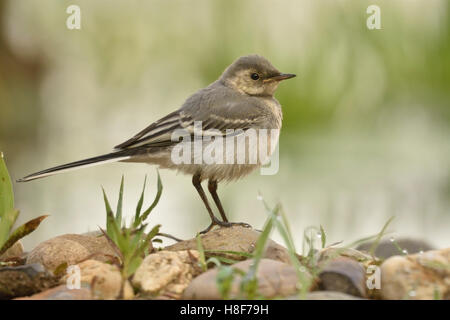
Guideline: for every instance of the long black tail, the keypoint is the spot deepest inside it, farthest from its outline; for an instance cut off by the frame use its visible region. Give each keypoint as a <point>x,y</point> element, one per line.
<point>106,158</point>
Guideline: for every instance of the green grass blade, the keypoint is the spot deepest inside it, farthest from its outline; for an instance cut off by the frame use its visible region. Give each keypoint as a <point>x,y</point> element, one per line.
<point>113,244</point>
<point>249,283</point>
<point>237,253</point>
<point>361,241</point>
<point>6,191</point>
<point>284,230</point>
<point>6,223</point>
<point>225,260</point>
<point>134,264</point>
<point>286,225</point>
<point>213,260</point>
<point>140,251</point>
<point>155,202</point>
<point>305,281</point>
<point>379,236</point>
<point>111,227</point>
<point>262,240</point>
<point>21,232</point>
<point>136,239</point>
<point>323,237</point>
<point>224,280</point>
<point>119,205</point>
<point>309,237</point>
<point>266,206</point>
<point>139,205</point>
<point>124,239</point>
<point>201,251</point>
<point>437,294</point>
<point>371,238</point>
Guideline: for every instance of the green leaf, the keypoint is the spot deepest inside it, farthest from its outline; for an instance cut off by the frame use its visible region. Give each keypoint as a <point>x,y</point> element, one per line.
<point>131,242</point>
<point>139,205</point>
<point>21,232</point>
<point>155,202</point>
<point>226,260</point>
<point>397,246</point>
<point>286,226</point>
<point>119,205</point>
<point>153,233</point>
<point>262,239</point>
<point>6,223</point>
<point>224,279</point>
<point>213,260</point>
<point>61,269</point>
<point>361,241</point>
<point>376,238</point>
<point>6,191</point>
<point>248,282</point>
<point>323,236</point>
<point>237,253</point>
<point>284,230</point>
<point>305,281</point>
<point>133,254</point>
<point>113,245</point>
<point>112,229</point>
<point>201,251</point>
<point>309,241</point>
<point>134,264</point>
<point>135,241</point>
<point>145,244</point>
<point>123,240</point>
<point>437,294</point>
<point>379,236</point>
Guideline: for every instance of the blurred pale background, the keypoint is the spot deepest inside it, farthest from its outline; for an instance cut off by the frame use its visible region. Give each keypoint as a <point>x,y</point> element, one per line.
<point>367,120</point>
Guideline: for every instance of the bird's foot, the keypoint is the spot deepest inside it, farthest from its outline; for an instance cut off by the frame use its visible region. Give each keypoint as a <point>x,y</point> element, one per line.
<point>225,224</point>
<point>230,224</point>
<point>209,228</point>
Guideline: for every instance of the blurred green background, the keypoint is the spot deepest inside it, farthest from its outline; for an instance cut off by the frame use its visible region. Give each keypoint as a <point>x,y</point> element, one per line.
<point>366,122</point>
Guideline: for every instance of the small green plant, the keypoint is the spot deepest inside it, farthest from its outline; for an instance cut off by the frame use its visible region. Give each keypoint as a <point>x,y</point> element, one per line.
<point>249,282</point>
<point>8,214</point>
<point>437,294</point>
<point>305,282</point>
<point>380,235</point>
<point>226,273</point>
<point>316,265</point>
<point>323,237</point>
<point>307,267</point>
<point>131,243</point>
<point>376,238</point>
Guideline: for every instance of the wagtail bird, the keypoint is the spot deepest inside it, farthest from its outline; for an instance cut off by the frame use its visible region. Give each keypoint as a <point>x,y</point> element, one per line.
<point>241,100</point>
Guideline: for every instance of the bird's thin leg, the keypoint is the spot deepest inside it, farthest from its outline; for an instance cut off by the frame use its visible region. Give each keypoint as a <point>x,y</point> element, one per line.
<point>214,221</point>
<point>212,187</point>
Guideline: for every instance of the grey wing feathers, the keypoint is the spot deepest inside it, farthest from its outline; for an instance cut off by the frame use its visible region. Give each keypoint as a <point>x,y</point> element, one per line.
<point>159,131</point>
<point>232,114</point>
<point>213,110</point>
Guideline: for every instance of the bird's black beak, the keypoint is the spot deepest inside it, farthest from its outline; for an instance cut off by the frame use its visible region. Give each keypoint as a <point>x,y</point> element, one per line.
<point>281,76</point>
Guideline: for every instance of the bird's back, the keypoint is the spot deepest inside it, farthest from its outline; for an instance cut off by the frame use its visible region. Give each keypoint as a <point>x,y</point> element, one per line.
<point>221,102</point>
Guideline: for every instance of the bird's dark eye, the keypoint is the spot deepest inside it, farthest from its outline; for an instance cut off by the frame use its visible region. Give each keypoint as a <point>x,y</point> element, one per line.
<point>255,76</point>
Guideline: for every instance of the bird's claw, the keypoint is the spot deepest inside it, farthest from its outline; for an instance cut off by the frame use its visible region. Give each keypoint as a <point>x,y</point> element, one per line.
<point>224,224</point>
<point>209,228</point>
<point>242,224</point>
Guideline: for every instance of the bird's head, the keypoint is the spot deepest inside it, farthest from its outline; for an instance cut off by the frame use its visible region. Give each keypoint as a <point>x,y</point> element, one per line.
<point>253,75</point>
